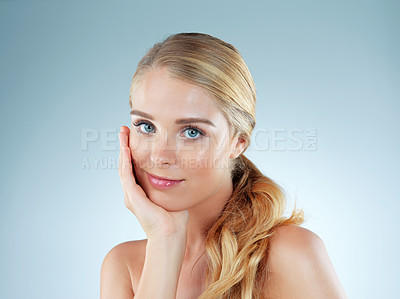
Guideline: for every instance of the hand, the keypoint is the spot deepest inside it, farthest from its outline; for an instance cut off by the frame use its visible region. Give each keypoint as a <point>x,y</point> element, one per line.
<point>155,220</point>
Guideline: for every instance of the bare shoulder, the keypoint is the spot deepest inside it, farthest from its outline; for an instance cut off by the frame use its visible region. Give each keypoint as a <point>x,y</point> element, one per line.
<point>120,269</point>
<point>290,239</point>
<point>299,266</point>
<point>129,250</point>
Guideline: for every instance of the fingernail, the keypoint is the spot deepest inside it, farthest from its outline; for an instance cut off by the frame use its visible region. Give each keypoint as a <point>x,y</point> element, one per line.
<point>120,129</point>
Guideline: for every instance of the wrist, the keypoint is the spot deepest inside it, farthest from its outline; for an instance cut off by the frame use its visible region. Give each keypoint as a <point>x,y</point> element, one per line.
<point>169,250</point>
<point>162,242</point>
<point>170,237</point>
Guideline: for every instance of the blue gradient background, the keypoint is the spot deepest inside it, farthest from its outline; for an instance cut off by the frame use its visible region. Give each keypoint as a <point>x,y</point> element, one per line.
<point>66,67</point>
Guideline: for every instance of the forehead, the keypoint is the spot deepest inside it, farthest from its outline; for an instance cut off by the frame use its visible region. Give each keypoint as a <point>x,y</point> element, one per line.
<point>163,96</point>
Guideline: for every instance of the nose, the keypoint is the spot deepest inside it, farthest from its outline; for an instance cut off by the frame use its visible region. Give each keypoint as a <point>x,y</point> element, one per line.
<point>163,151</point>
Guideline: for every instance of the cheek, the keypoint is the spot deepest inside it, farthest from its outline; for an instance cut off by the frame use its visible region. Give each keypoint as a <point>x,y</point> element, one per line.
<point>140,158</point>
<point>134,140</point>
<point>205,155</point>
<point>140,154</point>
<point>139,146</point>
<point>208,162</point>
<point>206,174</point>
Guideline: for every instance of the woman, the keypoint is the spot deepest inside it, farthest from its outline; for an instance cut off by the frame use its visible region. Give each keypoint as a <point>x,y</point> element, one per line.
<point>214,223</point>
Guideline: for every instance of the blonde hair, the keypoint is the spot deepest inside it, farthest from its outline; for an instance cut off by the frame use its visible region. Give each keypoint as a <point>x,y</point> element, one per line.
<point>237,243</point>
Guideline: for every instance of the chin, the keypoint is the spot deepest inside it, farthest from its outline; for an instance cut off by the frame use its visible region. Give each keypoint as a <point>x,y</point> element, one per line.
<point>166,202</point>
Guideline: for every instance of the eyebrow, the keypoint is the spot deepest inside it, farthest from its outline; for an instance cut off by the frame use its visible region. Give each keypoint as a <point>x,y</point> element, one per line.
<point>178,121</point>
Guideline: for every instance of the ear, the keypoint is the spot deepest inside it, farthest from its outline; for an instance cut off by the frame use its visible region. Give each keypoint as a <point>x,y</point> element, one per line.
<point>237,147</point>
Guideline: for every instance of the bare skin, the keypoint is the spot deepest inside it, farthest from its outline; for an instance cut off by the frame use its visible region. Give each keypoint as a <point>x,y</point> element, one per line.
<point>298,267</point>
<point>175,219</point>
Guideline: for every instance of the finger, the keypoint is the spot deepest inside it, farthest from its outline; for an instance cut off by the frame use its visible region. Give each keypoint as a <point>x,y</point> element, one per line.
<point>126,199</point>
<point>120,155</point>
<point>124,132</point>
<point>126,140</point>
<point>126,162</point>
<point>135,193</point>
<point>123,141</point>
<point>124,129</point>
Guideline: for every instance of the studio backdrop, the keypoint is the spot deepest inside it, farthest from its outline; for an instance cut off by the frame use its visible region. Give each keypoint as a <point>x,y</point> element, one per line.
<point>327,79</point>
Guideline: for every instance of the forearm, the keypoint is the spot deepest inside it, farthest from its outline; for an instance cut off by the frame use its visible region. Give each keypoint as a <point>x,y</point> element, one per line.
<point>162,266</point>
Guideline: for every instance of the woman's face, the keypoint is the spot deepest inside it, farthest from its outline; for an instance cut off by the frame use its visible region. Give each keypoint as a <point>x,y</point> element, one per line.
<point>166,143</point>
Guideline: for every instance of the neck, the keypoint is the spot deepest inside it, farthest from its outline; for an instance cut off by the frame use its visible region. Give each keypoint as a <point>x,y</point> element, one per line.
<point>202,217</point>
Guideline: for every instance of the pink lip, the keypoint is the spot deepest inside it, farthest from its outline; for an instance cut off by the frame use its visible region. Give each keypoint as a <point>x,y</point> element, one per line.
<point>162,183</point>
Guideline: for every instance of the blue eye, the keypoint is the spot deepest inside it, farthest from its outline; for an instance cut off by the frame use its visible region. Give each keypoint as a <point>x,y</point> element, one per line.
<point>147,127</point>
<point>193,132</point>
